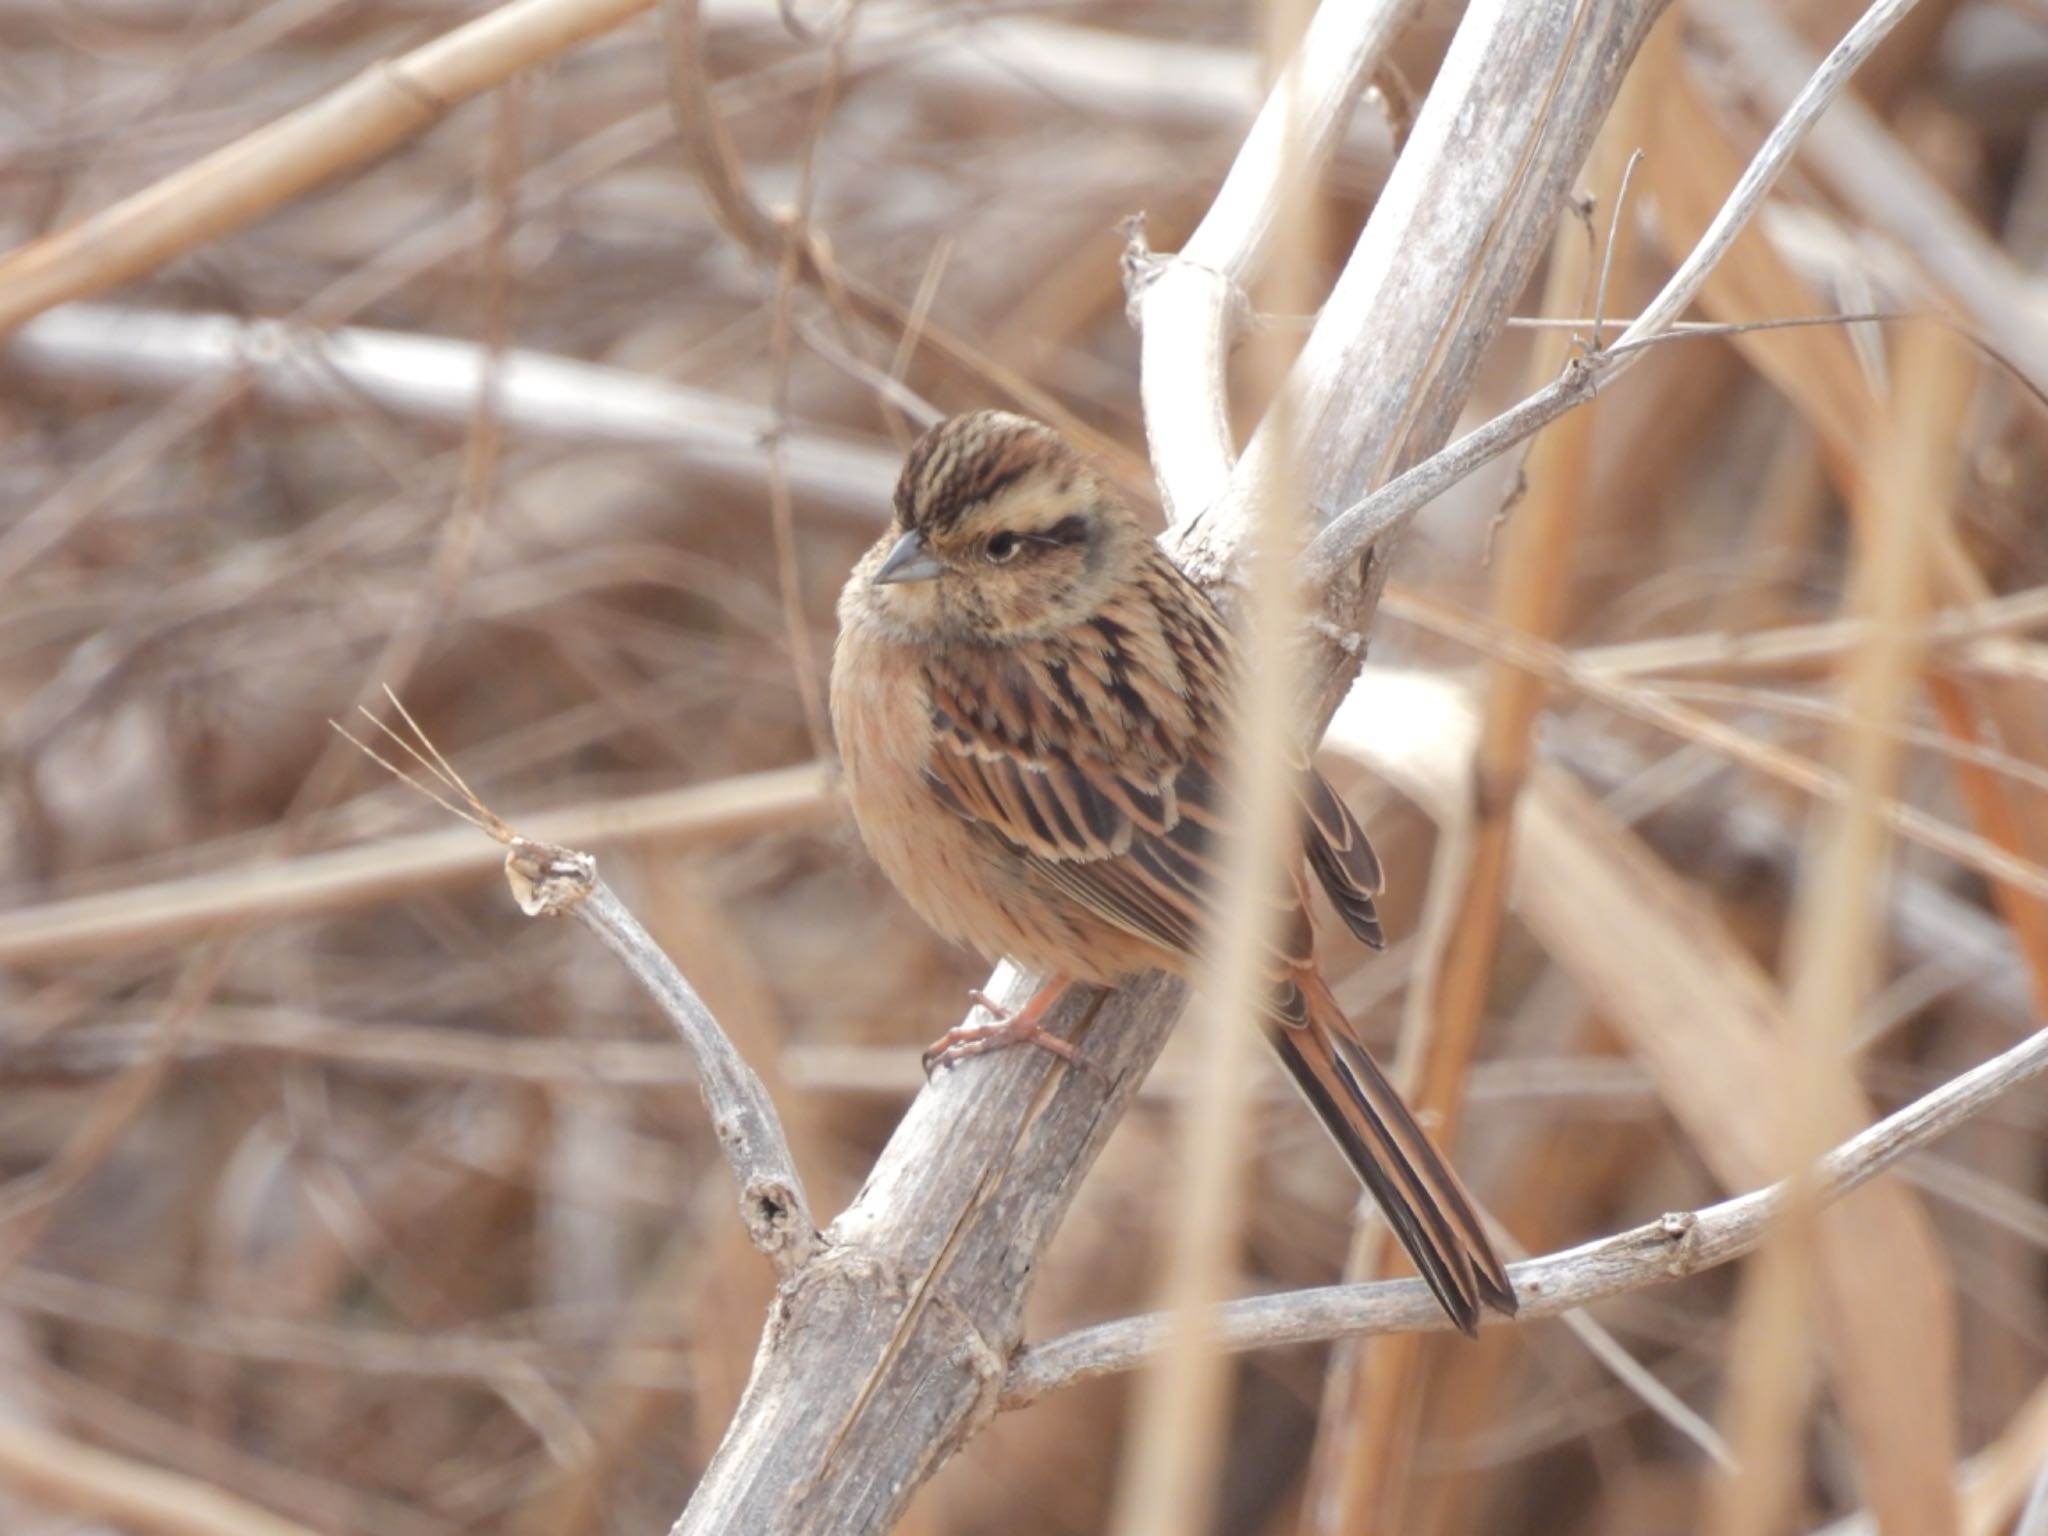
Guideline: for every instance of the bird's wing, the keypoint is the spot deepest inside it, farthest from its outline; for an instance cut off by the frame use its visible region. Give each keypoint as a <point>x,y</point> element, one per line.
<point>1342,857</point>
<point>1089,767</point>
<point>1093,755</point>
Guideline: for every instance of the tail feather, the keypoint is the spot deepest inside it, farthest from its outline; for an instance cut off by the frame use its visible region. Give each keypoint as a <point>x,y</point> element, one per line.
<point>1425,1204</point>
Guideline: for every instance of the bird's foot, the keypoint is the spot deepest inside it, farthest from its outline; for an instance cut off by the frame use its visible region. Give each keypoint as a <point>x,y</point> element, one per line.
<point>1019,1027</point>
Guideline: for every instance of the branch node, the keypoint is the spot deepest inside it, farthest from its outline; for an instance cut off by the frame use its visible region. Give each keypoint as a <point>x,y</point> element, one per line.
<point>856,1266</point>
<point>547,880</point>
<point>779,1224</point>
<point>989,1365</point>
<point>1350,641</point>
<point>394,74</point>
<point>1681,1230</point>
<point>1143,267</point>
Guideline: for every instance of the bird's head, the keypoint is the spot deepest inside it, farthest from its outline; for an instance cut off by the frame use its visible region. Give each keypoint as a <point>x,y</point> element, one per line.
<point>1000,533</point>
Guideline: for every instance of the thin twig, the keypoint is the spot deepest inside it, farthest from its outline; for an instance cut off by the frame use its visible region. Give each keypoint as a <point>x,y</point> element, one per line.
<point>549,880</point>
<point>1888,189</point>
<point>1670,1248</point>
<point>1628,173</point>
<point>1347,537</point>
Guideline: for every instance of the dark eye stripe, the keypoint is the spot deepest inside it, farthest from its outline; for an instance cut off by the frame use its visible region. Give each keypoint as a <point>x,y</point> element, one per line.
<point>1064,534</point>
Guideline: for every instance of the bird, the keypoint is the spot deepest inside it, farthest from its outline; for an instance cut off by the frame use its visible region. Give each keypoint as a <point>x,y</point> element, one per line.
<point>1033,709</point>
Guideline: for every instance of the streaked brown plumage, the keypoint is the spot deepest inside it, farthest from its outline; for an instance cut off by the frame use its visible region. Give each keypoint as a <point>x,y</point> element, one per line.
<point>1033,704</point>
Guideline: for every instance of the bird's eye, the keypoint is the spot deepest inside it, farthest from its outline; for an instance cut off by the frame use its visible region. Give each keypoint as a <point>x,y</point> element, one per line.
<point>1003,546</point>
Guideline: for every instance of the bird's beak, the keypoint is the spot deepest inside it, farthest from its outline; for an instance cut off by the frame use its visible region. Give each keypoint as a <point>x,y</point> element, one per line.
<point>908,562</point>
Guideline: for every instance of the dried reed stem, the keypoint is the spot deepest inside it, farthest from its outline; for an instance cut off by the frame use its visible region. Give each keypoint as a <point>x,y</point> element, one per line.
<point>84,1480</point>
<point>381,108</point>
<point>171,911</point>
<point>1168,1484</point>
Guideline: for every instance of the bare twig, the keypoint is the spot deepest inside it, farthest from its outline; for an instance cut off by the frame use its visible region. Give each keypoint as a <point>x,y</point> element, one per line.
<point>550,881</point>
<point>1888,189</point>
<point>1670,1248</point>
<point>1348,536</point>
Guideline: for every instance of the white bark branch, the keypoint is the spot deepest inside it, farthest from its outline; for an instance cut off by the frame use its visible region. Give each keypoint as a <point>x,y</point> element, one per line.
<point>1190,305</point>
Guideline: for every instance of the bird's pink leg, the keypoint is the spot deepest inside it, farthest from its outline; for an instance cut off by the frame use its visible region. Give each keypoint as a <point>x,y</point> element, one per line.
<point>1023,1027</point>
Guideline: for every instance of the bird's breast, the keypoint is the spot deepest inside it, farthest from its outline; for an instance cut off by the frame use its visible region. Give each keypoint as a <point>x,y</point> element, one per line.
<point>882,715</point>
<point>959,879</point>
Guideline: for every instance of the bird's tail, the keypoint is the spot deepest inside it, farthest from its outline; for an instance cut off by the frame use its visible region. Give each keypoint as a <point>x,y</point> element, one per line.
<point>1423,1200</point>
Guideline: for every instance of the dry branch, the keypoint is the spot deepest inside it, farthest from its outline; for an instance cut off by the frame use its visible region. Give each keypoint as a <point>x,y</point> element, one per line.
<point>549,881</point>
<point>397,1251</point>
<point>1348,537</point>
<point>1671,1248</point>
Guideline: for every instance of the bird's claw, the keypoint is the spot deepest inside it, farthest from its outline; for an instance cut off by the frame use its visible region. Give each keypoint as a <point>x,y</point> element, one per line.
<point>1018,1027</point>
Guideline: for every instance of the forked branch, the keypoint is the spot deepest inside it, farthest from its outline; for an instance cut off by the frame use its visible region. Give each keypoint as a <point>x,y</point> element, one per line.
<point>551,881</point>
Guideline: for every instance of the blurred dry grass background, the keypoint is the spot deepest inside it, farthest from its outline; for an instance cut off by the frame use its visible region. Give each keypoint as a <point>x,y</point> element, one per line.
<point>389,1212</point>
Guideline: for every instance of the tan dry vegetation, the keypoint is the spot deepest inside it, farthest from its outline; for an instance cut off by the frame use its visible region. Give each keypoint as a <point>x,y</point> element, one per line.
<point>339,1197</point>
